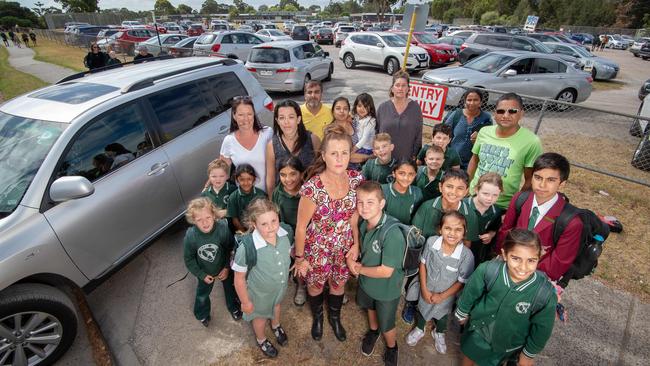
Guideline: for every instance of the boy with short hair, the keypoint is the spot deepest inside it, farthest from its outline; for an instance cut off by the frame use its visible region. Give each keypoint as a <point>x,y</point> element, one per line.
<point>380,168</point>
<point>539,212</point>
<point>429,176</point>
<point>219,189</point>
<point>441,136</point>
<point>380,270</point>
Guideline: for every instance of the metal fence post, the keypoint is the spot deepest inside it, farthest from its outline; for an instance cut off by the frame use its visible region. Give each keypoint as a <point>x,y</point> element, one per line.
<point>541,115</point>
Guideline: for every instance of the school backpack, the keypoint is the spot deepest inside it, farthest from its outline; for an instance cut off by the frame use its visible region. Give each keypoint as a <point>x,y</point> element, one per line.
<point>542,296</point>
<point>594,233</point>
<point>414,244</point>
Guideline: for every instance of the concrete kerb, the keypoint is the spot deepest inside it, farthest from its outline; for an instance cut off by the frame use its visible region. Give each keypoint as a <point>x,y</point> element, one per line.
<point>22,59</point>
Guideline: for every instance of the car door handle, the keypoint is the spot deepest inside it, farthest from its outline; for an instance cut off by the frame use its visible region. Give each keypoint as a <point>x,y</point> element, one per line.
<point>560,77</point>
<point>158,168</point>
<point>528,79</point>
<point>224,129</point>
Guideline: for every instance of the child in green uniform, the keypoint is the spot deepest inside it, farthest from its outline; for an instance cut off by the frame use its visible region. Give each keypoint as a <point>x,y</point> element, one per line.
<point>488,214</point>
<point>206,251</point>
<point>445,265</point>
<point>379,169</point>
<point>402,197</point>
<point>262,286</point>
<point>510,309</point>
<point>441,136</point>
<point>240,198</point>
<point>430,175</point>
<point>219,189</point>
<point>380,270</point>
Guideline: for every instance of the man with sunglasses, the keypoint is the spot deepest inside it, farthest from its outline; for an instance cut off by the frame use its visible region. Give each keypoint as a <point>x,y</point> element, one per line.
<point>506,148</point>
<point>95,58</point>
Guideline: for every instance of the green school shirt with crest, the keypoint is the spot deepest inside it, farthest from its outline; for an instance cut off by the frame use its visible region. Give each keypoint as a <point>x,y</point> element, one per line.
<point>220,198</point>
<point>428,216</point>
<point>238,201</point>
<point>207,254</point>
<point>488,221</point>
<point>374,170</point>
<point>430,188</point>
<point>451,157</point>
<point>288,205</point>
<point>401,205</point>
<point>390,253</point>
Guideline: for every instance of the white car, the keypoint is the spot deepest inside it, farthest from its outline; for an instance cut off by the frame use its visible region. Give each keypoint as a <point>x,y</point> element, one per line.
<point>156,46</point>
<point>383,49</point>
<point>272,35</point>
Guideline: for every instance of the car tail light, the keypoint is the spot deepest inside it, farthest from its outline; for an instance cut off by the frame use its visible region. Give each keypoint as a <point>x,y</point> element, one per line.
<point>251,69</point>
<point>216,47</point>
<point>268,103</point>
<point>590,79</point>
<point>291,69</point>
<point>463,46</point>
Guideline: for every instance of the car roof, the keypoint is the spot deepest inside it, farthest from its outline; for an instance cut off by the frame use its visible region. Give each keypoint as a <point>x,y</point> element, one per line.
<point>517,53</point>
<point>282,44</point>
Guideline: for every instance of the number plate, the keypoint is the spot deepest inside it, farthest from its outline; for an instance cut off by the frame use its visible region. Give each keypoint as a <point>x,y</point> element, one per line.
<point>423,64</point>
<point>451,59</point>
<point>266,72</point>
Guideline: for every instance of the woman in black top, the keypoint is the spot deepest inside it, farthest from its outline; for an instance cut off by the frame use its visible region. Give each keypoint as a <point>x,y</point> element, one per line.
<point>290,138</point>
<point>95,58</point>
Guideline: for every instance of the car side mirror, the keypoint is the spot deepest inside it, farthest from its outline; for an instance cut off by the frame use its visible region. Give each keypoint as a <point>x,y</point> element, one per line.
<point>380,45</point>
<point>510,72</point>
<point>70,188</point>
<point>647,88</point>
<point>326,54</point>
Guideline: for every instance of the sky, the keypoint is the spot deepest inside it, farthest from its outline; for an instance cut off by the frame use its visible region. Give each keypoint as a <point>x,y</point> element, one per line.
<point>148,4</point>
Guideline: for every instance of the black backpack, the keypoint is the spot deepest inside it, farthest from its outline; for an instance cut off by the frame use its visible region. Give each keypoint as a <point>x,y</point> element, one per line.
<point>594,233</point>
<point>414,244</point>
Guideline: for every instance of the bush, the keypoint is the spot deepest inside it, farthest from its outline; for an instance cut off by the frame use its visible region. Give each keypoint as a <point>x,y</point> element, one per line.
<point>10,22</point>
<point>490,18</point>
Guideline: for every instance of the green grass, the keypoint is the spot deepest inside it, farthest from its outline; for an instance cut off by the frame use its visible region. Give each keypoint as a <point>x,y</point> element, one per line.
<point>60,54</point>
<point>14,82</point>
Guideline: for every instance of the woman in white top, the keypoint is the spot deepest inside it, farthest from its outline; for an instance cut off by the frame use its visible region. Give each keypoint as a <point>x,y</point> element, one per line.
<point>247,140</point>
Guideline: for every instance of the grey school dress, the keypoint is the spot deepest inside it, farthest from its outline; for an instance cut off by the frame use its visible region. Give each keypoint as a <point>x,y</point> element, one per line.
<point>442,272</point>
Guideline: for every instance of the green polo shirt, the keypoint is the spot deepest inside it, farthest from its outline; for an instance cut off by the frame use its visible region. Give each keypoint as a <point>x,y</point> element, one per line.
<point>488,221</point>
<point>374,170</point>
<point>428,216</point>
<point>288,205</point>
<point>401,205</point>
<point>390,253</point>
<point>238,201</point>
<point>451,157</point>
<point>207,253</point>
<point>219,198</point>
<point>430,188</point>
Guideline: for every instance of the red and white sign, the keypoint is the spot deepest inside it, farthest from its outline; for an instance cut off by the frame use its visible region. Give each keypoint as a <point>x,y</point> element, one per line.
<point>431,99</point>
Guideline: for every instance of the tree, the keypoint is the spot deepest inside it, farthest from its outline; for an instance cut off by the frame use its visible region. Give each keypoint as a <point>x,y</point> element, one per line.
<point>12,11</point>
<point>212,7</point>
<point>283,4</point>
<point>315,8</point>
<point>233,13</point>
<point>263,8</point>
<point>164,7</point>
<point>334,8</point>
<point>184,9</point>
<point>290,7</point>
<point>490,18</point>
<point>79,6</point>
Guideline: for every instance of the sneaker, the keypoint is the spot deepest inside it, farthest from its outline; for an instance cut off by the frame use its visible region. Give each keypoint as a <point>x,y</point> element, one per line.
<point>205,322</point>
<point>268,349</point>
<point>408,313</point>
<point>236,314</point>
<point>281,336</point>
<point>439,341</point>
<point>369,341</point>
<point>390,356</point>
<point>301,295</point>
<point>414,336</point>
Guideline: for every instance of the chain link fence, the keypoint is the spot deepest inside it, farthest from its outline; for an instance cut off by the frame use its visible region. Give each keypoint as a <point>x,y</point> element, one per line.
<point>613,143</point>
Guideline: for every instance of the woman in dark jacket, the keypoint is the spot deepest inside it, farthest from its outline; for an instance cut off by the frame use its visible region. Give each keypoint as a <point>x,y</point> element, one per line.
<point>95,58</point>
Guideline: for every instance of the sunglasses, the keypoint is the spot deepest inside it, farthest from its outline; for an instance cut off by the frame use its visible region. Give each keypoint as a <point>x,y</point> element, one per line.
<point>510,111</point>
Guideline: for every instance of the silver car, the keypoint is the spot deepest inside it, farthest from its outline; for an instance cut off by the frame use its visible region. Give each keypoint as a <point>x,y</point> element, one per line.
<point>273,35</point>
<point>91,170</point>
<point>157,46</point>
<point>528,73</point>
<point>288,65</point>
<point>231,44</point>
<point>341,33</point>
<point>600,67</point>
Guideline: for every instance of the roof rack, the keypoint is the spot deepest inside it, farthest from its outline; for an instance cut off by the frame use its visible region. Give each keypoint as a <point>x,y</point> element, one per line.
<point>111,67</point>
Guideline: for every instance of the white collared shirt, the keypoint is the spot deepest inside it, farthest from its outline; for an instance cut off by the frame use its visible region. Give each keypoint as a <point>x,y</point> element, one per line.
<point>543,208</point>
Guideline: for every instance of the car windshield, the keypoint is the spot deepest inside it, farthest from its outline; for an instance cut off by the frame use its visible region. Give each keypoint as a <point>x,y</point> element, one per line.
<point>540,47</point>
<point>206,39</point>
<point>324,31</point>
<point>427,39</point>
<point>269,55</point>
<point>489,63</point>
<point>583,52</point>
<point>24,143</point>
<point>274,32</point>
<point>346,29</point>
<point>394,41</point>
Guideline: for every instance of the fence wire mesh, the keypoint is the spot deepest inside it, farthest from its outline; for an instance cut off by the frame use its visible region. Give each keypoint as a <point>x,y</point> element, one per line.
<point>606,142</point>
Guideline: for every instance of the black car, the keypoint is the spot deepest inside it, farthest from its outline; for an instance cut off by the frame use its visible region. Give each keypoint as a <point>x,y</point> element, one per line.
<point>300,33</point>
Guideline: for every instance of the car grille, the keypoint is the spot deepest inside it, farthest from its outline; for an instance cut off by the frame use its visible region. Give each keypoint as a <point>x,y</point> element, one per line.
<point>421,56</point>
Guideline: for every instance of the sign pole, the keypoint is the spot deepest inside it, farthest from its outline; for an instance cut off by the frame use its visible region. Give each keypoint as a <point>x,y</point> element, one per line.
<point>408,39</point>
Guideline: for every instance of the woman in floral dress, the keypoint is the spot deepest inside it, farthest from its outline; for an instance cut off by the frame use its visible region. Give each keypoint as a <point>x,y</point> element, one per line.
<point>327,228</point>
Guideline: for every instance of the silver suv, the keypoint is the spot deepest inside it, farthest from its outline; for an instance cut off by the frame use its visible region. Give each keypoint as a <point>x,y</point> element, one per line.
<point>231,44</point>
<point>91,170</point>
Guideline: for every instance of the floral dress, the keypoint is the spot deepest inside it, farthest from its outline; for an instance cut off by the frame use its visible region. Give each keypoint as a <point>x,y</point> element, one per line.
<point>329,233</point>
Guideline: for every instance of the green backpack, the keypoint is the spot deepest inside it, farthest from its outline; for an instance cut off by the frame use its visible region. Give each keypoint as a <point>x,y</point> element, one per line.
<point>249,246</point>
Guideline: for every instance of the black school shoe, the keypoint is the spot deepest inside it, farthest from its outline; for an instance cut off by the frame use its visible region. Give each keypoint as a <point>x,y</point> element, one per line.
<point>281,336</point>
<point>205,322</point>
<point>268,349</point>
<point>369,341</point>
<point>390,356</point>
<point>236,315</point>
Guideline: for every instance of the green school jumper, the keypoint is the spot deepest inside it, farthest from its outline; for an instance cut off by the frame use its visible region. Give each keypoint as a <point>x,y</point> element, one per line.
<point>489,221</point>
<point>451,157</point>
<point>288,205</point>
<point>207,254</point>
<point>238,201</point>
<point>401,205</point>
<point>220,198</point>
<point>428,216</point>
<point>500,321</point>
<point>373,170</point>
<point>430,188</point>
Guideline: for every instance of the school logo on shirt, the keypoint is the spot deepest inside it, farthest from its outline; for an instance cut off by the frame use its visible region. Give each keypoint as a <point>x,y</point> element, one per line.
<point>376,247</point>
<point>522,307</point>
<point>208,252</point>
<point>225,199</point>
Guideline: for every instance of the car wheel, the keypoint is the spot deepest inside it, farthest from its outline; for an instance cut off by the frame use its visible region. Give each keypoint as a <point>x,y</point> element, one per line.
<point>329,73</point>
<point>566,95</point>
<point>641,158</point>
<point>38,323</point>
<point>392,66</point>
<point>348,61</point>
<point>305,81</point>
<point>644,57</point>
<point>593,73</point>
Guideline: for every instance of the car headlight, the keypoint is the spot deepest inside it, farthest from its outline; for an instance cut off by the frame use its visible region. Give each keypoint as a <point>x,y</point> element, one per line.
<point>441,52</point>
<point>458,82</point>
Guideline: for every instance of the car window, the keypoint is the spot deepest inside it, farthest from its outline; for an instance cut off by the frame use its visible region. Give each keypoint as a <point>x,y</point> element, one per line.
<point>309,50</point>
<point>357,39</point>
<point>106,144</point>
<point>498,41</point>
<point>227,39</point>
<point>564,50</point>
<point>523,66</point>
<point>548,66</point>
<point>172,40</point>
<point>270,55</point>
<point>227,86</point>
<point>299,53</point>
<point>522,44</point>
<point>319,49</point>
<point>371,40</point>
<point>178,110</point>
<point>252,39</point>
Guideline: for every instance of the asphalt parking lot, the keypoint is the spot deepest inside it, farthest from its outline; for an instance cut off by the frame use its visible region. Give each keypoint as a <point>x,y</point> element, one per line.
<point>147,323</point>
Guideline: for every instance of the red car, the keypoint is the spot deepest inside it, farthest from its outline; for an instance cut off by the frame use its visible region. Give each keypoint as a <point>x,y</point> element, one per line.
<point>195,30</point>
<point>324,35</point>
<point>128,37</point>
<point>440,54</point>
